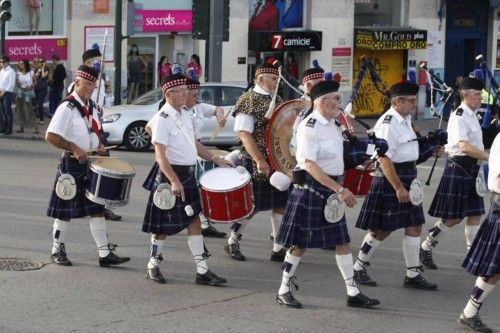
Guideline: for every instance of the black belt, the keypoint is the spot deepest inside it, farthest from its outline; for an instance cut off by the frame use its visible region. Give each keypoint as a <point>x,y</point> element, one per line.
<point>406,165</point>
<point>183,169</point>
<point>464,160</point>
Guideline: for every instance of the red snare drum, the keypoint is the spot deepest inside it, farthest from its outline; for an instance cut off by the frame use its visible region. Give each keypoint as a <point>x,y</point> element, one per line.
<point>358,180</point>
<point>226,194</point>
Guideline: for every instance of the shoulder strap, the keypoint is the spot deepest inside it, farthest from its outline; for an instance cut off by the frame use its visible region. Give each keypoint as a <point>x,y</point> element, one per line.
<point>71,99</point>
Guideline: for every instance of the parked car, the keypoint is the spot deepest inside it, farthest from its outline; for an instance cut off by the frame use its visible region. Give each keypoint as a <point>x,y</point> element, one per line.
<point>126,123</point>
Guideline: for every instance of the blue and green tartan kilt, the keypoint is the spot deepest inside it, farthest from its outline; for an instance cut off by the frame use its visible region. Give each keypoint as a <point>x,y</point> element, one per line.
<point>172,221</point>
<point>304,225</point>
<point>456,195</point>
<point>79,206</point>
<point>381,209</point>
<point>483,258</point>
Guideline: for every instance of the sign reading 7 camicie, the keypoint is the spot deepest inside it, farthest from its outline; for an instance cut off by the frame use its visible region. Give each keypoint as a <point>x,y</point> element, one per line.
<point>385,39</point>
<point>290,41</point>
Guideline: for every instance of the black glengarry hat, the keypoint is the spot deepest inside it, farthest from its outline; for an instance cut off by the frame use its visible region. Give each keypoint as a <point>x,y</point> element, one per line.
<point>403,88</point>
<point>322,88</point>
<point>315,72</point>
<point>91,53</point>
<point>471,83</point>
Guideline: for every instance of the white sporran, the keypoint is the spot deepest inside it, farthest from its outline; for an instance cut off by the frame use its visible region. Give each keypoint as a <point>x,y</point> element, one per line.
<point>164,198</point>
<point>334,209</point>
<point>280,181</point>
<point>66,187</point>
<point>416,192</point>
<point>481,188</point>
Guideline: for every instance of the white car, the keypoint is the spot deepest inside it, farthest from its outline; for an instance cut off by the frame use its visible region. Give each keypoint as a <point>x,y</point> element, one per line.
<point>125,123</point>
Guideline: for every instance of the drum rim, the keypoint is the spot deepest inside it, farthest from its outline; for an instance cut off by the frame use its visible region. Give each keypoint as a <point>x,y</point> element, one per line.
<point>225,190</point>
<point>96,167</point>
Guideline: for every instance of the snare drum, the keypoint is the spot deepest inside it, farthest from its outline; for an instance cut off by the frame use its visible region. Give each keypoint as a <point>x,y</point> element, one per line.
<point>358,180</point>
<point>226,194</point>
<point>203,165</point>
<point>109,181</point>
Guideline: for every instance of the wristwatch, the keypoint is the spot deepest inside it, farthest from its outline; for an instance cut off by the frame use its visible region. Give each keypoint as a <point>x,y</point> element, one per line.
<point>341,190</point>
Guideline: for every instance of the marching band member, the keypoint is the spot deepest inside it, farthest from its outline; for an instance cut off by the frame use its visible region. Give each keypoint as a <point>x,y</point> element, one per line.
<point>456,195</point>
<point>201,111</point>
<point>176,150</point>
<point>320,154</point>
<point>387,206</point>
<point>74,128</point>
<point>250,123</point>
<point>483,258</point>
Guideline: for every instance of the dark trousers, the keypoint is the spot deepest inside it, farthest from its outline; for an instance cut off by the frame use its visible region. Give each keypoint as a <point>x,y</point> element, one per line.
<point>55,97</point>
<point>40,96</point>
<point>6,112</point>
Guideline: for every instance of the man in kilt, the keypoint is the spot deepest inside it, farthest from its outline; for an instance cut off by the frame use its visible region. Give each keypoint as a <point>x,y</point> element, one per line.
<point>483,258</point>
<point>387,205</point>
<point>250,123</point>
<point>176,149</point>
<point>456,195</point>
<point>74,128</point>
<point>320,161</point>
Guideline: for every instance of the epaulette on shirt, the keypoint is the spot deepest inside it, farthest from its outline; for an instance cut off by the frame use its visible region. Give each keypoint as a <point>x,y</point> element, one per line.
<point>387,119</point>
<point>311,122</point>
<point>71,105</point>
<point>459,111</point>
<point>164,115</point>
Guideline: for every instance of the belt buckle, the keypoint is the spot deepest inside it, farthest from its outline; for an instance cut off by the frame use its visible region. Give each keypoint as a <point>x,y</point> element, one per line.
<point>191,170</point>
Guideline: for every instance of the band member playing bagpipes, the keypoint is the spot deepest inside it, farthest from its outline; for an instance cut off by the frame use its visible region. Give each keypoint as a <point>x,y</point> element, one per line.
<point>394,200</point>
<point>250,123</point>
<point>74,128</point>
<point>456,195</point>
<point>483,258</point>
<point>306,223</point>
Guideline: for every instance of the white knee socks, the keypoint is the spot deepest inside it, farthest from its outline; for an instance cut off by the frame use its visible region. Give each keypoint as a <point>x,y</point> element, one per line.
<point>275,224</point>
<point>434,233</point>
<point>289,266</point>
<point>195,243</point>
<point>366,251</point>
<point>411,247</point>
<point>237,228</point>
<point>155,251</point>
<point>478,295</point>
<point>58,234</point>
<point>98,229</point>
<point>344,262</point>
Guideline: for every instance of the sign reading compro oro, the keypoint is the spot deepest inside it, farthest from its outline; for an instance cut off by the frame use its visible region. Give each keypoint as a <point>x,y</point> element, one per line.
<point>390,39</point>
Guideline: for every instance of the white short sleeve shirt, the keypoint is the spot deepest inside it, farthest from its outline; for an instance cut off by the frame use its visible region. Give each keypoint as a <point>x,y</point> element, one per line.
<point>463,125</point>
<point>494,165</point>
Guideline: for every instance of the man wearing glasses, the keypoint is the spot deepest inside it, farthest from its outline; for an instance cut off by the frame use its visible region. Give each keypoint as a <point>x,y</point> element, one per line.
<point>7,84</point>
<point>387,206</point>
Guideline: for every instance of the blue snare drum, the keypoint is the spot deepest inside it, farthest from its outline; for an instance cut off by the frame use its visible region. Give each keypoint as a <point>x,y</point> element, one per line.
<point>109,181</point>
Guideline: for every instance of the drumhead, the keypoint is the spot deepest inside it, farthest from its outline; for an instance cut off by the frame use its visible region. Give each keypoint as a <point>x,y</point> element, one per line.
<point>223,179</point>
<point>113,165</point>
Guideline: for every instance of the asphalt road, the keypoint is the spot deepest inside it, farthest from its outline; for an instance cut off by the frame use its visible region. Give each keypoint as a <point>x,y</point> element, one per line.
<point>87,298</point>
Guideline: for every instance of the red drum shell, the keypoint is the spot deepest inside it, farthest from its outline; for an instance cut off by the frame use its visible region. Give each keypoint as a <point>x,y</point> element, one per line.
<point>358,180</point>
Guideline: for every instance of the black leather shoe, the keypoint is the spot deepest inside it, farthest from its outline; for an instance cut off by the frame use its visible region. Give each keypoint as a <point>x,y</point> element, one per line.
<point>155,275</point>
<point>112,259</point>
<point>212,232</point>
<point>362,277</point>
<point>419,282</point>
<point>288,300</point>
<point>209,278</point>
<point>109,215</point>
<point>426,259</point>
<point>361,301</point>
<point>234,251</point>
<point>279,256</point>
<point>474,323</point>
<point>60,257</point>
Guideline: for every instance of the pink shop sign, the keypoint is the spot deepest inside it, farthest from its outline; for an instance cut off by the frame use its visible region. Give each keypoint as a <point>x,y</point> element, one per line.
<point>18,49</point>
<point>162,20</point>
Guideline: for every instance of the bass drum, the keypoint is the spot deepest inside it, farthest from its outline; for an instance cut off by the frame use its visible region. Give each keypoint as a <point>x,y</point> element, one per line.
<point>280,147</point>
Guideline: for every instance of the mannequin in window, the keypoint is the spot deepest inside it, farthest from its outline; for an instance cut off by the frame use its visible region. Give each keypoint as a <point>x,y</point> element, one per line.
<point>136,68</point>
<point>33,7</point>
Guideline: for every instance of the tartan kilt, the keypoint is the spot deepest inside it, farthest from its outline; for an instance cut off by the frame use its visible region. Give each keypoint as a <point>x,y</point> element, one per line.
<point>483,258</point>
<point>79,206</point>
<point>304,225</point>
<point>381,209</point>
<point>456,195</point>
<point>170,222</point>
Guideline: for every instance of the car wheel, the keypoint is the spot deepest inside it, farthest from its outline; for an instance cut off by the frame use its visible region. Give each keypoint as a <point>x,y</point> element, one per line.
<point>136,138</point>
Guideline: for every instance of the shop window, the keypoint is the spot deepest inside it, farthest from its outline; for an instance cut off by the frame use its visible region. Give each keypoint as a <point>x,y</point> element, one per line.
<point>37,17</point>
<point>378,13</point>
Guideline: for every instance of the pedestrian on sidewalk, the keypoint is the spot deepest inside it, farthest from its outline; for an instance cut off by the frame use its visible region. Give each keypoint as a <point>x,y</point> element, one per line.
<point>56,83</point>
<point>25,113</point>
<point>7,85</point>
<point>41,87</point>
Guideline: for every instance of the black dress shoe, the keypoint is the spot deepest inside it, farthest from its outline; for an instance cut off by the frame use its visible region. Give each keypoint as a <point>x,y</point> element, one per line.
<point>361,301</point>
<point>234,251</point>
<point>155,275</point>
<point>109,215</point>
<point>60,257</point>
<point>362,277</point>
<point>474,323</point>
<point>112,259</point>
<point>212,232</point>
<point>209,278</point>
<point>426,259</point>
<point>279,256</point>
<point>419,282</point>
<point>288,300</point>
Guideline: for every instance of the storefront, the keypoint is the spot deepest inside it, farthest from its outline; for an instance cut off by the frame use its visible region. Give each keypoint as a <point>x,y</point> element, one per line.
<point>387,48</point>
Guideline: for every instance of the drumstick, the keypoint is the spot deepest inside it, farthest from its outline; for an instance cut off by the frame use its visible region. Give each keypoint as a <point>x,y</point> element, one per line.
<point>94,150</point>
<point>218,128</point>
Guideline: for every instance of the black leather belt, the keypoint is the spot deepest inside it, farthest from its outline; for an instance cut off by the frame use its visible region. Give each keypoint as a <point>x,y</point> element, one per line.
<point>406,165</point>
<point>310,178</point>
<point>464,160</point>
<point>183,169</point>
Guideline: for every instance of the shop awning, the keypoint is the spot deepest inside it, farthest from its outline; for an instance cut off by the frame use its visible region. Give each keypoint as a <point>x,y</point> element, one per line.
<point>389,38</point>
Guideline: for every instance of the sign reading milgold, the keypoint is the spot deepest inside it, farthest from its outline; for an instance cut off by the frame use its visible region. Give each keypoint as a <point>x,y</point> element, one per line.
<point>388,39</point>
